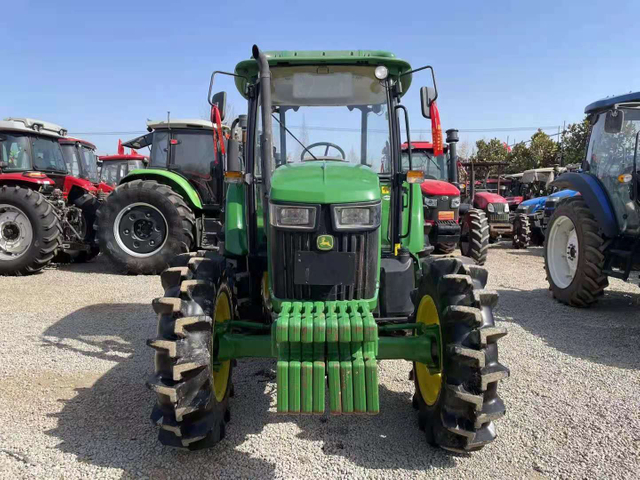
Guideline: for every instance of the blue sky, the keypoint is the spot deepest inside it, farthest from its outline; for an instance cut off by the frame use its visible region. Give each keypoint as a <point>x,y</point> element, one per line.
<point>108,66</point>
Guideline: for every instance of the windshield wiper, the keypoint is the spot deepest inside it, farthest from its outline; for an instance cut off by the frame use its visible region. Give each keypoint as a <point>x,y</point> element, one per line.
<point>294,137</point>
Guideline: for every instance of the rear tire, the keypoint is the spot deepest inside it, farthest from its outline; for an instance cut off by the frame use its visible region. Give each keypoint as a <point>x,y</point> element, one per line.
<point>521,235</point>
<point>456,408</point>
<point>574,254</point>
<point>170,225</point>
<point>474,236</point>
<point>445,248</point>
<point>192,408</point>
<point>25,213</point>
<point>89,205</point>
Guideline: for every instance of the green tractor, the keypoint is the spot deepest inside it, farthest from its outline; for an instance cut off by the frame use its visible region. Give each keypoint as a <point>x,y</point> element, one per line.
<point>324,267</point>
<point>174,205</point>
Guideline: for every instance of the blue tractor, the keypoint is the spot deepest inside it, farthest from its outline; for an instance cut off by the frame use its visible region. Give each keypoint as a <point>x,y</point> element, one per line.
<point>532,217</point>
<point>596,234</point>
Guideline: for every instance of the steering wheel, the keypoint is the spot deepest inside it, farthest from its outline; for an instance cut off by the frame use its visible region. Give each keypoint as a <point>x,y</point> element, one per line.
<point>326,151</point>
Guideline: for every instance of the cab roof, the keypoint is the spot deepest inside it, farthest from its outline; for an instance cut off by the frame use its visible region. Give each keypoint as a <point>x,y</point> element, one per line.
<point>181,123</point>
<point>249,68</point>
<point>32,125</point>
<point>610,102</point>
<point>71,140</point>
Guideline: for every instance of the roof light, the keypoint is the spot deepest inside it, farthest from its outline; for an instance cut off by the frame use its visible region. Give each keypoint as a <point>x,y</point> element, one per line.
<point>381,72</point>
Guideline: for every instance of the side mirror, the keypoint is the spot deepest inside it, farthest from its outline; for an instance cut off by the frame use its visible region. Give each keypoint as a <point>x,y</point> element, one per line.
<point>220,99</point>
<point>613,121</point>
<point>427,96</point>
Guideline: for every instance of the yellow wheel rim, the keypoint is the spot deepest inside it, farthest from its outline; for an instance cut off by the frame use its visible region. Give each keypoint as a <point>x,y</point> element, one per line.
<point>221,313</point>
<point>430,385</point>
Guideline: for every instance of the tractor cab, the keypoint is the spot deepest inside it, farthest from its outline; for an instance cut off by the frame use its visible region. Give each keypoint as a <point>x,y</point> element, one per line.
<point>114,168</point>
<point>186,148</point>
<point>30,148</point>
<point>81,159</point>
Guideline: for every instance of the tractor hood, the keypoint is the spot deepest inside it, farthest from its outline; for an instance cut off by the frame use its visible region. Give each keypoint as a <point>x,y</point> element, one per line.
<point>438,187</point>
<point>534,201</point>
<point>482,199</point>
<point>324,182</point>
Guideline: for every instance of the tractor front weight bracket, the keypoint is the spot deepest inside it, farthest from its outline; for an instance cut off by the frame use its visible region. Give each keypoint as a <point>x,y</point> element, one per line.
<point>328,343</point>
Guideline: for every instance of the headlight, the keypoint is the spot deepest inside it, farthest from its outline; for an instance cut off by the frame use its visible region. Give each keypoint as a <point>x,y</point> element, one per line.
<point>506,208</point>
<point>491,208</point>
<point>430,202</point>
<point>455,202</point>
<point>289,216</point>
<point>360,217</point>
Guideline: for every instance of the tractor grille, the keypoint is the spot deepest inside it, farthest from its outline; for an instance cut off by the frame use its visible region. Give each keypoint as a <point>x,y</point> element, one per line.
<point>363,244</point>
<point>498,218</point>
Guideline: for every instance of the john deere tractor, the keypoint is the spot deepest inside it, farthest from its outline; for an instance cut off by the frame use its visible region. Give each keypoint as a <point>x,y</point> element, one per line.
<point>174,205</point>
<point>321,268</point>
<point>596,234</point>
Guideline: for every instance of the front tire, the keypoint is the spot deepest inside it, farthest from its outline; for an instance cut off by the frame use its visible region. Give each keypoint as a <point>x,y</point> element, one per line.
<point>445,248</point>
<point>192,390</point>
<point>521,235</point>
<point>457,407</point>
<point>30,232</point>
<point>144,224</point>
<point>474,236</point>
<point>573,254</point>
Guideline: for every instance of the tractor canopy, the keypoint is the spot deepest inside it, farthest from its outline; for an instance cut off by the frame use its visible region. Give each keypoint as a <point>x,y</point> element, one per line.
<point>80,157</point>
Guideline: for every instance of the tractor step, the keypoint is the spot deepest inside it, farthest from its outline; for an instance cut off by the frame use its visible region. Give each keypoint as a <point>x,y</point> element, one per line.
<point>338,340</point>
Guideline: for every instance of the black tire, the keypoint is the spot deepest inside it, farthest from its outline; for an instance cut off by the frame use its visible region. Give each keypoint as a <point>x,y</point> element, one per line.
<point>537,237</point>
<point>189,414</point>
<point>179,219</point>
<point>45,228</point>
<point>445,248</point>
<point>89,205</point>
<point>589,282</point>
<point>461,417</point>
<point>474,236</point>
<point>521,234</point>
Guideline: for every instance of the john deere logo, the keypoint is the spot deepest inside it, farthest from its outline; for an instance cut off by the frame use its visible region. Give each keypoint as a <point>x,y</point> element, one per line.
<point>324,242</point>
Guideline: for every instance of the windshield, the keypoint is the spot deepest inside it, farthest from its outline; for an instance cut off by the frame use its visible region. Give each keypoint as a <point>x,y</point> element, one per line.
<point>434,168</point>
<point>333,113</point>
<point>113,171</point>
<point>47,155</point>
<point>611,155</point>
<point>14,151</point>
<point>70,153</point>
<point>89,164</point>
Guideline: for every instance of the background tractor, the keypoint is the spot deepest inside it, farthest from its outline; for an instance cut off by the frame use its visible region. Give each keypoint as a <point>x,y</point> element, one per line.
<point>43,210</point>
<point>324,265</point>
<point>82,162</point>
<point>441,198</point>
<point>596,234</point>
<point>174,205</point>
<point>113,168</point>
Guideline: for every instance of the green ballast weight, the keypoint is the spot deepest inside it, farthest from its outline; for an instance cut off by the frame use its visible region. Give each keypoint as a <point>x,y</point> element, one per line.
<point>338,340</point>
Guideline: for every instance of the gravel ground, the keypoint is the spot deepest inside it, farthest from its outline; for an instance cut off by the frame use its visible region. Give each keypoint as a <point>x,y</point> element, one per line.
<point>73,362</point>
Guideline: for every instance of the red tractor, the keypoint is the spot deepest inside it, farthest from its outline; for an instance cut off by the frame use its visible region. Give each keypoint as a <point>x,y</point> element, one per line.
<point>116,167</point>
<point>441,199</point>
<point>43,210</point>
<point>82,162</point>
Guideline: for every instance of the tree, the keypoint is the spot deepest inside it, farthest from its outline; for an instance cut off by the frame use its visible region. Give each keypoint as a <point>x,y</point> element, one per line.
<point>574,142</point>
<point>543,149</point>
<point>520,159</point>
<point>492,151</point>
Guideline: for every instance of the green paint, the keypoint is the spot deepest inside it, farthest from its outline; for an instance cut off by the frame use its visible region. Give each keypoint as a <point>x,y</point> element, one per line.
<point>177,182</point>
<point>415,241</point>
<point>249,68</point>
<point>235,228</point>
<point>324,182</point>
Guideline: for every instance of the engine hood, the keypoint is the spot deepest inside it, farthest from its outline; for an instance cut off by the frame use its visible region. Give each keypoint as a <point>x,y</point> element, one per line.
<point>324,182</point>
<point>482,199</point>
<point>438,187</point>
<point>563,194</point>
<point>534,201</point>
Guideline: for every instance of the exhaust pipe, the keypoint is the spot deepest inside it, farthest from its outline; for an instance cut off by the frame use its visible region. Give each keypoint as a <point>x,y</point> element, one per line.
<point>266,142</point>
<point>452,141</point>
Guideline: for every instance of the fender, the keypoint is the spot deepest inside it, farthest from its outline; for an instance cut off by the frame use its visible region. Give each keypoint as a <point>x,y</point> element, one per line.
<point>169,178</point>
<point>595,196</point>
